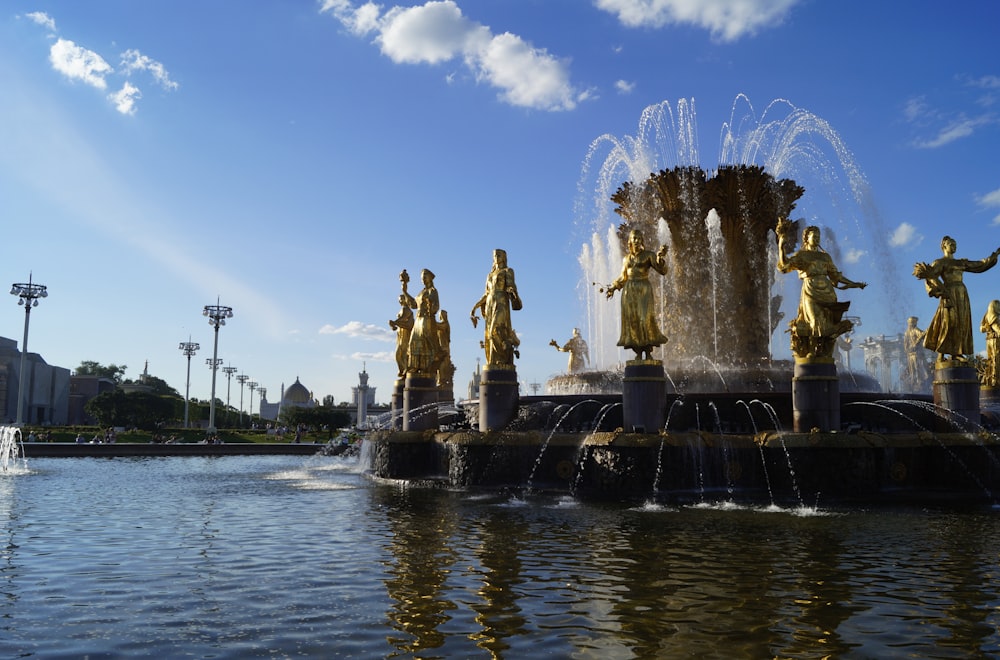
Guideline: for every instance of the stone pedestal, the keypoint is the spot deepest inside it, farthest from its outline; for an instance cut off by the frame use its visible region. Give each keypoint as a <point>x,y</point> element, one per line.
<point>956,389</point>
<point>815,396</point>
<point>498,398</point>
<point>420,398</point>
<point>644,397</point>
<point>397,404</point>
<point>989,397</point>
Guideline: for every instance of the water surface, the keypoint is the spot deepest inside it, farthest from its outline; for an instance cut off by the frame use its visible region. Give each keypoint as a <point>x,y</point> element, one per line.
<point>238,557</point>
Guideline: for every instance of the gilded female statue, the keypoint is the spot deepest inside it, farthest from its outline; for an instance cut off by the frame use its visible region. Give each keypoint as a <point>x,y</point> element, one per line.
<point>639,328</point>
<point>991,326</point>
<point>917,374</point>
<point>950,331</point>
<point>820,316</point>
<point>423,351</point>
<point>499,340</point>
<point>403,325</point>
<point>579,353</point>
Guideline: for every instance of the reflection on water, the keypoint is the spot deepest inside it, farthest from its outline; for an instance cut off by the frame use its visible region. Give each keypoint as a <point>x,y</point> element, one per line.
<point>280,556</point>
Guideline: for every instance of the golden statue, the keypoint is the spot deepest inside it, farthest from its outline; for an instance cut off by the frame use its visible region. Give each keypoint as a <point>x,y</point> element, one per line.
<point>819,321</point>
<point>950,331</point>
<point>500,341</point>
<point>916,374</point>
<point>403,325</point>
<point>446,370</point>
<point>639,328</point>
<point>991,326</point>
<point>579,352</point>
<point>423,351</point>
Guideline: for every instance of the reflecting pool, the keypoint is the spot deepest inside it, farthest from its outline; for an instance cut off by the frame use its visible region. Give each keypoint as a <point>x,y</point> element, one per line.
<point>281,556</point>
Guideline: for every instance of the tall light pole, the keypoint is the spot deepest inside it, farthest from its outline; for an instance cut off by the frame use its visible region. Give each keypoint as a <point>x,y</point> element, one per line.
<point>229,371</point>
<point>252,385</point>
<point>262,392</point>
<point>242,380</point>
<point>28,294</point>
<point>189,348</point>
<point>217,315</point>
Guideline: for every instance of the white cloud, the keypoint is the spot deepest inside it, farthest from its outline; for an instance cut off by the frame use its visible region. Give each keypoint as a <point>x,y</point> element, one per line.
<point>854,256</point>
<point>438,32</point>
<point>727,20</point>
<point>905,235</point>
<point>125,98</point>
<point>133,60</point>
<point>990,198</point>
<point>956,130</point>
<point>43,19</point>
<point>380,356</point>
<point>624,86</point>
<point>359,330</point>
<point>79,63</point>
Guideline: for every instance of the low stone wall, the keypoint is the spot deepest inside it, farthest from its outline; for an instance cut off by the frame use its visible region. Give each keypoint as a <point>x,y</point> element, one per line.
<point>114,450</point>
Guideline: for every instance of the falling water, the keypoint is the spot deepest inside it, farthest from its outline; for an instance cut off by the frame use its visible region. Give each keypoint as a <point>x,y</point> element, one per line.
<point>11,451</point>
<point>788,142</point>
<point>713,224</point>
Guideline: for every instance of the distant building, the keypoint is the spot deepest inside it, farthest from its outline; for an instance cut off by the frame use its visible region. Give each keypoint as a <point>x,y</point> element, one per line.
<point>81,390</point>
<point>47,390</point>
<point>363,398</point>
<point>296,395</point>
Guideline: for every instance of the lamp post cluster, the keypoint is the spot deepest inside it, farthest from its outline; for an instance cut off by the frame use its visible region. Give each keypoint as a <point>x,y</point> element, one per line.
<point>28,294</point>
<point>217,315</point>
<point>188,348</point>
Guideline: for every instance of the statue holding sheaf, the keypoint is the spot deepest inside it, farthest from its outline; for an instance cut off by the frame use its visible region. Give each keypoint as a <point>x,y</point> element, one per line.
<point>820,318</point>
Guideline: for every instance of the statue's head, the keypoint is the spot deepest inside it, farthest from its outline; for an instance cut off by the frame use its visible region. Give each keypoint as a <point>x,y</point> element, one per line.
<point>811,235</point>
<point>948,244</point>
<point>426,276</point>
<point>912,321</point>
<point>635,240</point>
<point>576,332</point>
<point>500,257</point>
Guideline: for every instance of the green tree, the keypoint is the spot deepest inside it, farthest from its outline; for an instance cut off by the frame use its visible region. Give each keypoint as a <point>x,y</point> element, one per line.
<point>111,371</point>
<point>144,410</point>
<point>157,385</point>
<point>319,416</point>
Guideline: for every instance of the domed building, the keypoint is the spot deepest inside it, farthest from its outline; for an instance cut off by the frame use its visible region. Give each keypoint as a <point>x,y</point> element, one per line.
<point>295,395</point>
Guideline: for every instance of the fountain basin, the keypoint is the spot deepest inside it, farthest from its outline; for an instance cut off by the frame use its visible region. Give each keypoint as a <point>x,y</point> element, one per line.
<point>861,467</point>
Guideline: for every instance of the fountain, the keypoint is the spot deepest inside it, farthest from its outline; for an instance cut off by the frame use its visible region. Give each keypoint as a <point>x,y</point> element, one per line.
<point>11,452</point>
<point>757,428</point>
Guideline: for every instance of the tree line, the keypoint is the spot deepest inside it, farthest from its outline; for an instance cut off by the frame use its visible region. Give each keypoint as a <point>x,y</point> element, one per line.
<point>157,405</point>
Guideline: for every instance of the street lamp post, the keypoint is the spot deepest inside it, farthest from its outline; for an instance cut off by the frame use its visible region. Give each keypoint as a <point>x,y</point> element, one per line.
<point>213,364</point>
<point>252,385</point>
<point>28,294</point>
<point>217,315</point>
<point>229,371</point>
<point>242,380</point>
<point>262,393</point>
<point>189,348</point>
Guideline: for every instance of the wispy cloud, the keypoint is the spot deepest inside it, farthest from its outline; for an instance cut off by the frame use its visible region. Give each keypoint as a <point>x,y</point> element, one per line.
<point>991,201</point>
<point>940,126</point>
<point>79,63</point>
<point>82,64</point>
<point>359,330</point>
<point>854,256</point>
<point>905,235</point>
<point>957,129</point>
<point>43,19</point>
<point>379,356</point>
<point>132,60</point>
<point>624,86</point>
<point>437,32</point>
<point>726,20</point>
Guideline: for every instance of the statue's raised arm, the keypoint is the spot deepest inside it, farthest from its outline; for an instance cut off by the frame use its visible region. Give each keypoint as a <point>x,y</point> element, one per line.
<point>950,331</point>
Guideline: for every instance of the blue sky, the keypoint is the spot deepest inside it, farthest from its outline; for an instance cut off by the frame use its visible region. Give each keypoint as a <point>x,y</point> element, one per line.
<point>290,158</point>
